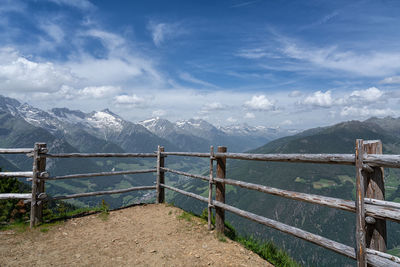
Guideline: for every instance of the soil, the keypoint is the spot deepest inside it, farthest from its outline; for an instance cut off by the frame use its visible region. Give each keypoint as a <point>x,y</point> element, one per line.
<point>146,235</point>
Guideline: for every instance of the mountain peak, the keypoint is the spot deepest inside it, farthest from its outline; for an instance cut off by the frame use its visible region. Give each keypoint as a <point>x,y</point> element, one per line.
<point>65,113</point>
<point>9,104</point>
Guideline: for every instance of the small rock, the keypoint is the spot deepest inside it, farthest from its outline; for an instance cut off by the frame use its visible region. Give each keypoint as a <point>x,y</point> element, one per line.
<point>64,233</point>
<point>153,251</point>
<point>197,256</point>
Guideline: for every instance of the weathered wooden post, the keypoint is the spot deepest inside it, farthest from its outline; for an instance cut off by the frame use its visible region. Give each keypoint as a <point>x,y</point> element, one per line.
<point>220,191</point>
<point>160,175</point>
<point>39,165</point>
<point>210,187</point>
<point>41,183</point>
<point>360,209</point>
<point>376,236</point>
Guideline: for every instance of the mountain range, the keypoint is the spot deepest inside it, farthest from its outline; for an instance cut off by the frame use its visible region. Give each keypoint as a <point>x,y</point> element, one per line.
<point>65,130</point>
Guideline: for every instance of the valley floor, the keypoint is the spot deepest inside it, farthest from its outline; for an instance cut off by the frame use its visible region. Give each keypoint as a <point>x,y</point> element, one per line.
<point>148,235</point>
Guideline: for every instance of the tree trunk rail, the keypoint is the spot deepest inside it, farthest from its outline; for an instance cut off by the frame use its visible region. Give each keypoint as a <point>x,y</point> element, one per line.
<point>99,155</point>
<point>97,174</point>
<point>16,150</point>
<point>15,174</point>
<point>187,154</point>
<point>98,193</point>
<point>15,196</point>
<point>205,178</point>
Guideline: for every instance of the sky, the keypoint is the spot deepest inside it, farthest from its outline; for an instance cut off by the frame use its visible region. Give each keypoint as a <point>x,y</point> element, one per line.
<point>288,64</point>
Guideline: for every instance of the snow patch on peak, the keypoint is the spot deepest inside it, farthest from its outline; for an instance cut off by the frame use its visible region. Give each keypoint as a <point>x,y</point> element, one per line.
<point>103,119</point>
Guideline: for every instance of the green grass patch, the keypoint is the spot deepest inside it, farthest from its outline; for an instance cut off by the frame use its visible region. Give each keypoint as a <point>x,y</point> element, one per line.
<point>323,183</point>
<point>185,216</point>
<point>265,249</point>
<point>18,226</point>
<point>394,251</point>
<point>300,180</point>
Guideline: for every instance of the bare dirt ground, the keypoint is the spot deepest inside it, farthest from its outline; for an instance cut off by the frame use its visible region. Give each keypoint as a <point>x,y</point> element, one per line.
<point>148,235</point>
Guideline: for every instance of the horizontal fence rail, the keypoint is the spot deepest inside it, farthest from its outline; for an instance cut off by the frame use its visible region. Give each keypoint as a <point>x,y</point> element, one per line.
<point>343,159</point>
<point>117,191</point>
<point>188,154</point>
<point>100,155</point>
<point>15,174</point>
<point>16,150</point>
<point>15,196</point>
<point>97,174</point>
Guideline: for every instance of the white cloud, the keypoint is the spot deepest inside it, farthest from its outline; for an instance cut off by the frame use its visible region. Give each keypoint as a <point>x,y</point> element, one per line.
<point>370,64</point>
<point>129,100</point>
<point>391,80</point>
<point>260,103</point>
<point>160,32</point>
<point>249,115</point>
<point>22,74</point>
<point>319,99</point>
<point>286,122</point>
<point>80,4</point>
<point>54,31</point>
<point>231,120</point>
<point>366,112</point>
<point>255,53</point>
<point>189,78</point>
<point>213,106</point>
<point>98,91</point>
<point>369,95</point>
<point>110,40</point>
<point>295,93</point>
<point>158,113</point>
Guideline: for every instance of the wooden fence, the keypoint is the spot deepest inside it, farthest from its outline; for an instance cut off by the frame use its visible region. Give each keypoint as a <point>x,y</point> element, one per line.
<point>370,207</point>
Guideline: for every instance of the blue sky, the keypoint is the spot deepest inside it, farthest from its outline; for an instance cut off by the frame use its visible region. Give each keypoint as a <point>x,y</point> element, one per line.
<point>292,64</point>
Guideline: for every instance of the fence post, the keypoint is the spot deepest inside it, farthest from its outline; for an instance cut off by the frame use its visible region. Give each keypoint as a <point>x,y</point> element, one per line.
<point>220,192</point>
<point>160,176</point>
<point>210,187</point>
<point>35,170</point>
<point>360,210</point>
<point>40,182</point>
<point>376,236</point>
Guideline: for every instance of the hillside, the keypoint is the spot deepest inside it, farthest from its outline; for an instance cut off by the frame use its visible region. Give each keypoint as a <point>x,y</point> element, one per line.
<point>328,180</point>
<point>150,235</point>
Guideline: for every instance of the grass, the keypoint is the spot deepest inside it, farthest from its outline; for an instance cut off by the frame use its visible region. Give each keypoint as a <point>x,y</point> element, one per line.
<point>394,251</point>
<point>58,218</point>
<point>265,249</point>
<point>186,216</point>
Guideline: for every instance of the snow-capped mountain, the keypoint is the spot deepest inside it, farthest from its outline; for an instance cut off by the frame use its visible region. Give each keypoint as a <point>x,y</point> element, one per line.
<point>198,134</point>
<point>105,130</point>
<point>244,130</point>
<point>87,131</point>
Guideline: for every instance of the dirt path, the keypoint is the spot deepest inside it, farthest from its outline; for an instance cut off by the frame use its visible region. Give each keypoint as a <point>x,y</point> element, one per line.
<point>150,235</point>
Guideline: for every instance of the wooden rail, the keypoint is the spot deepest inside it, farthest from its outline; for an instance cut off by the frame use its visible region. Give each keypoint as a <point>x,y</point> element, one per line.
<point>97,174</point>
<point>15,150</point>
<point>15,196</point>
<point>15,174</point>
<point>90,194</point>
<point>100,155</point>
<point>370,208</point>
